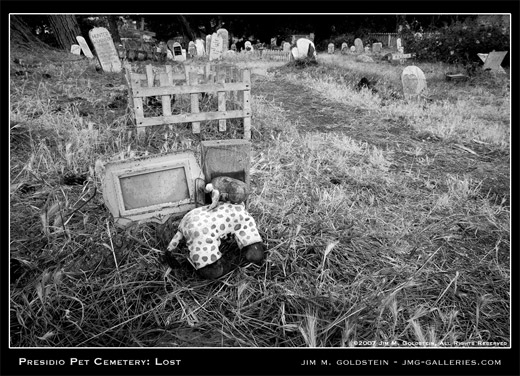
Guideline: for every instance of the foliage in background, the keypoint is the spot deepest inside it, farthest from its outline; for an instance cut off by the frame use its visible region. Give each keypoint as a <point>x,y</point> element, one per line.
<point>458,43</point>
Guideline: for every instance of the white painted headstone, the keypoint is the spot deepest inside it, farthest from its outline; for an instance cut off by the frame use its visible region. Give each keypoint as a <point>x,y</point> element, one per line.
<point>75,49</point>
<point>359,45</point>
<point>376,47</point>
<point>223,33</point>
<point>414,82</point>
<point>286,47</point>
<point>330,48</point>
<point>215,51</point>
<point>295,52</point>
<point>105,49</point>
<point>352,48</point>
<point>169,55</point>
<point>192,50</point>
<point>398,44</point>
<point>248,46</point>
<point>208,43</point>
<point>306,48</point>
<point>199,45</point>
<point>84,47</point>
<point>177,52</point>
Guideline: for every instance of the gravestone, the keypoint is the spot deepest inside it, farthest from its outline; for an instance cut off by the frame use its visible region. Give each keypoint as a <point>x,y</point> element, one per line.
<point>414,82</point>
<point>208,43</point>
<point>215,50</point>
<point>75,49</point>
<point>493,61</point>
<point>199,45</point>
<point>169,55</point>
<point>105,49</point>
<point>398,44</point>
<point>344,48</point>
<point>286,47</point>
<point>223,33</point>
<point>177,52</point>
<point>234,47</point>
<point>359,45</point>
<point>352,48</point>
<point>306,48</point>
<point>192,50</point>
<point>273,42</point>
<point>84,47</point>
<point>295,53</point>
<point>248,46</point>
<point>367,49</point>
<point>377,47</point>
<point>330,48</point>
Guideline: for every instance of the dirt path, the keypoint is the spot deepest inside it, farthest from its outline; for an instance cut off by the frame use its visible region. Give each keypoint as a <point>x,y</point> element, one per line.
<point>315,113</point>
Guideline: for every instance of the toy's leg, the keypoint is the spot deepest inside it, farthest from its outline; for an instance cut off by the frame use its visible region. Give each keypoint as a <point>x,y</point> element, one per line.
<point>254,253</point>
<point>175,241</point>
<point>215,270</point>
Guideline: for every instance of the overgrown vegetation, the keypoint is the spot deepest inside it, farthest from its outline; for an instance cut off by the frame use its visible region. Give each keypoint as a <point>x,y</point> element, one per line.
<point>383,220</point>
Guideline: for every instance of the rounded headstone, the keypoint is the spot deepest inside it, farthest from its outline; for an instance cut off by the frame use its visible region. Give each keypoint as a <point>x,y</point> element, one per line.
<point>223,33</point>
<point>359,45</point>
<point>414,82</point>
<point>330,48</point>
<point>305,48</point>
<point>199,45</point>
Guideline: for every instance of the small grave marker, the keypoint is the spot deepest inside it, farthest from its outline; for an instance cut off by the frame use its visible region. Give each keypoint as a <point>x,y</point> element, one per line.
<point>398,44</point>
<point>273,42</point>
<point>248,46</point>
<point>352,48</point>
<point>215,51</point>
<point>286,47</point>
<point>367,49</point>
<point>377,47</point>
<point>75,49</point>
<point>414,82</point>
<point>223,33</point>
<point>192,50</point>
<point>105,49</point>
<point>359,45</point>
<point>84,47</point>
<point>493,61</point>
<point>344,48</point>
<point>330,49</point>
<point>199,45</point>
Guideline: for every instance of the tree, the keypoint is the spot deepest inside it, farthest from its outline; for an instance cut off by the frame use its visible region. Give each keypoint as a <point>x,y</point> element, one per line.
<point>22,35</point>
<point>65,29</point>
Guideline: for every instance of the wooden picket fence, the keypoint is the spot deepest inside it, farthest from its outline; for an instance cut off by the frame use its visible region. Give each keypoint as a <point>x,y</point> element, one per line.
<point>194,80</point>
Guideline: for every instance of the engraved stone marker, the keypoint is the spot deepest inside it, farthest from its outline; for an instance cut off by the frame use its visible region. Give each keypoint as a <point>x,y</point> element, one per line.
<point>199,45</point>
<point>248,46</point>
<point>192,50</point>
<point>330,48</point>
<point>177,52</point>
<point>84,47</point>
<point>286,47</point>
<point>105,49</point>
<point>398,44</point>
<point>376,47</point>
<point>344,48</point>
<point>223,33</point>
<point>215,51</point>
<point>306,48</point>
<point>414,82</point>
<point>359,45</point>
<point>75,49</point>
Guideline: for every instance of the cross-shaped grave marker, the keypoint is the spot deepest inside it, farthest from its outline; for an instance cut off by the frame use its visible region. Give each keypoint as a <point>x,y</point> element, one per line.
<point>493,61</point>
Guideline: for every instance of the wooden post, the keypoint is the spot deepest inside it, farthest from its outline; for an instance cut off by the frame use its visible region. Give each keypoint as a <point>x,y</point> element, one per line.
<point>246,78</point>
<point>138,106</point>
<point>193,80</point>
<point>222,104</point>
<point>166,99</point>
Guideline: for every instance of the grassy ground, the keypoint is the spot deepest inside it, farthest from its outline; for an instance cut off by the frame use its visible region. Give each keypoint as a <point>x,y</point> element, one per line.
<point>384,220</point>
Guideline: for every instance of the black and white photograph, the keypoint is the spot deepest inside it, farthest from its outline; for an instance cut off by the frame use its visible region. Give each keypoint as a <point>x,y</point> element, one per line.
<point>250,193</point>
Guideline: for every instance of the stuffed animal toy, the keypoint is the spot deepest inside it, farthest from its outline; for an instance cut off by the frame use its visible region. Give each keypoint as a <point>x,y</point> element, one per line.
<point>203,228</point>
<point>223,188</point>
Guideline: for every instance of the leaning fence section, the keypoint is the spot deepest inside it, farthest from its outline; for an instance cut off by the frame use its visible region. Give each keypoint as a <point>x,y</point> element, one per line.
<point>231,86</point>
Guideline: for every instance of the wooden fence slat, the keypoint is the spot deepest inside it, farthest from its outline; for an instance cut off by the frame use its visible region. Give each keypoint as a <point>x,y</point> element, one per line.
<point>246,79</point>
<point>193,117</point>
<point>165,99</point>
<point>191,89</point>
<point>222,106</point>
<point>138,108</point>
<point>193,80</point>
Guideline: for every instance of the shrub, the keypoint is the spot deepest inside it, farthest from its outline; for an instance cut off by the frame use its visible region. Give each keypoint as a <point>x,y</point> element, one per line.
<point>456,44</point>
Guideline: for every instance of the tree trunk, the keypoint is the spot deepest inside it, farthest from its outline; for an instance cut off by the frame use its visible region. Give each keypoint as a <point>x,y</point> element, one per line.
<point>22,36</point>
<point>114,31</point>
<point>65,29</point>
<point>187,31</point>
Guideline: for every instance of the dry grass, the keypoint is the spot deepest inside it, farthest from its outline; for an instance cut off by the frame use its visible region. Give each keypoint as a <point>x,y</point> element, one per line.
<point>388,240</point>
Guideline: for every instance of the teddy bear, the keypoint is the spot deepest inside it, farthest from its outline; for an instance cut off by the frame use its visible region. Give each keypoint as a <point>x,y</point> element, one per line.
<point>205,226</point>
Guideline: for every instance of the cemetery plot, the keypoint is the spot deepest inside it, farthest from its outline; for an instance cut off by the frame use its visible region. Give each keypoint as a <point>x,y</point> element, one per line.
<point>222,86</point>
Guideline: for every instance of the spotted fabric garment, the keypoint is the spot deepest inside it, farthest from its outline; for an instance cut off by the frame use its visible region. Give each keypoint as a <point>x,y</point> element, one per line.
<point>203,229</point>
